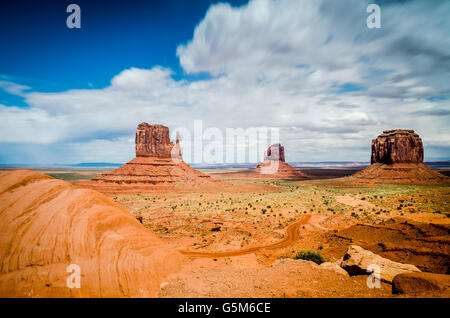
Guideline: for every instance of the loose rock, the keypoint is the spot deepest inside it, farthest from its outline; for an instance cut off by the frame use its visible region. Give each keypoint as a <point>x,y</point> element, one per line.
<point>360,261</point>
<point>414,283</point>
<point>334,267</point>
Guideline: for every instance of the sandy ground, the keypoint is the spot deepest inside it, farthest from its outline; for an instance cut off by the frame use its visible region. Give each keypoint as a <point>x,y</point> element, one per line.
<point>243,276</point>
<point>236,239</point>
<point>240,240</point>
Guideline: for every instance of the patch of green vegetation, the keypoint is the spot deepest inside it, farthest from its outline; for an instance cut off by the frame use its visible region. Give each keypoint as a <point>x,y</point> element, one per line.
<point>310,256</point>
<point>71,176</point>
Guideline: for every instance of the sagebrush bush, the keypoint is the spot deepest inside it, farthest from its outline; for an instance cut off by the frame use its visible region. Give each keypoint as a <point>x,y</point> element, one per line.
<point>310,256</point>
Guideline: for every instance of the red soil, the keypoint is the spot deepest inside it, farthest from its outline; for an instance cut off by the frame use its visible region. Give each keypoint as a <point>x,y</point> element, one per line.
<point>398,173</point>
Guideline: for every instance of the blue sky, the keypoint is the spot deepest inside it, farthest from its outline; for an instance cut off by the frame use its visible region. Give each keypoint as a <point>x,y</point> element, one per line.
<point>310,68</point>
<point>42,53</point>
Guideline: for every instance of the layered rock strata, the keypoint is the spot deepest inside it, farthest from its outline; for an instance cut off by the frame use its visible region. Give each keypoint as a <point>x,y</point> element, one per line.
<point>397,157</point>
<point>397,146</point>
<point>158,164</point>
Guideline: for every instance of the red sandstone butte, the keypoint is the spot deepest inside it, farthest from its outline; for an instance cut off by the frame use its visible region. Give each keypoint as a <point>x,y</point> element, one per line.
<point>397,146</point>
<point>158,165</point>
<point>275,152</point>
<point>397,157</point>
<point>153,141</point>
<point>274,165</point>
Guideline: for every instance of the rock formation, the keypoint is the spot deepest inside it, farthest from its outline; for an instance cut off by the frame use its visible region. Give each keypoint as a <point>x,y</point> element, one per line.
<point>154,141</point>
<point>422,283</point>
<point>397,146</point>
<point>275,152</point>
<point>158,165</point>
<point>397,157</point>
<point>334,267</point>
<point>50,227</point>
<point>275,166</point>
<point>358,261</point>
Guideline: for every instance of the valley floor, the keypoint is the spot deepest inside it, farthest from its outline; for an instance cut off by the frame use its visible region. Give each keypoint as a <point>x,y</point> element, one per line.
<point>239,240</point>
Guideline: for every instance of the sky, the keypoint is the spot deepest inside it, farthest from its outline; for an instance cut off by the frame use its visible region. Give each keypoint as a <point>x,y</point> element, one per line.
<point>311,68</point>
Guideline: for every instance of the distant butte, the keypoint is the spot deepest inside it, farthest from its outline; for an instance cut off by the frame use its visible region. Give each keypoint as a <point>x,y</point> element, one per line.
<point>397,157</point>
<point>158,165</point>
<point>275,152</point>
<point>275,166</point>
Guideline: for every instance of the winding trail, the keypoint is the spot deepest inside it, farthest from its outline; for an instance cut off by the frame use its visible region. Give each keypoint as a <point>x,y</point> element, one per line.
<point>292,235</point>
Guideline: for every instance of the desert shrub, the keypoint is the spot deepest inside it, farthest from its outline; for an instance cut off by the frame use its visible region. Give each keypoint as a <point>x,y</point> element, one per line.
<point>310,256</point>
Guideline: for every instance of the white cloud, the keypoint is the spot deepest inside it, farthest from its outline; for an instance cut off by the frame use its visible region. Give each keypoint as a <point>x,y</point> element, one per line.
<point>276,63</point>
<point>13,88</point>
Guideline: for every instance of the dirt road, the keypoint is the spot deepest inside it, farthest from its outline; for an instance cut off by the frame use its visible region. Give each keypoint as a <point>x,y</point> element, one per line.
<point>291,236</point>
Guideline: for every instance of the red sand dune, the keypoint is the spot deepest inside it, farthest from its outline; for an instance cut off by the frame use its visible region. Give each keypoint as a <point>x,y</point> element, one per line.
<point>48,224</point>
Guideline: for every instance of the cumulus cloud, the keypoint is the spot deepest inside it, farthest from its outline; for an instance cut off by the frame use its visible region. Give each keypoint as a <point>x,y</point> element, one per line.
<point>311,68</point>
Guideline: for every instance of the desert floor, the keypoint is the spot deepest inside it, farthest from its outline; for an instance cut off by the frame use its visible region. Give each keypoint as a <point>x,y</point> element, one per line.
<point>243,243</point>
<point>237,238</point>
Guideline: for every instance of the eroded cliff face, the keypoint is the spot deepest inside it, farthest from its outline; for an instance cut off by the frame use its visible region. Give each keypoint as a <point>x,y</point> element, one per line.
<point>275,152</point>
<point>397,157</point>
<point>397,146</point>
<point>153,141</point>
<point>158,165</point>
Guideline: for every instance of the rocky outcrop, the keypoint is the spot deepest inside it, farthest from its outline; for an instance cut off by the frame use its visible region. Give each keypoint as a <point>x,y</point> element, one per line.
<point>397,157</point>
<point>153,141</point>
<point>275,152</point>
<point>275,166</point>
<point>334,267</point>
<point>360,261</point>
<point>422,244</point>
<point>397,146</point>
<point>418,283</point>
<point>51,231</point>
<point>158,165</point>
